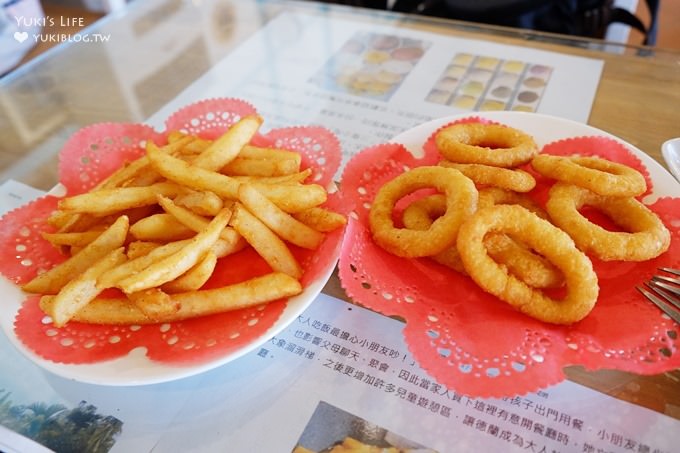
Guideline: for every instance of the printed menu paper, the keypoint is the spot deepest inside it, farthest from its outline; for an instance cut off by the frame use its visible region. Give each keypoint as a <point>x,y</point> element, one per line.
<point>341,371</point>
<point>368,84</point>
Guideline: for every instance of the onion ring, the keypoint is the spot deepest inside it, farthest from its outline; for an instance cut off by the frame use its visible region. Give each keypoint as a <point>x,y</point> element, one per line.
<point>645,237</point>
<point>598,175</point>
<point>489,144</point>
<point>548,240</point>
<point>490,196</point>
<point>521,261</point>
<point>461,202</point>
<point>420,214</point>
<point>487,175</point>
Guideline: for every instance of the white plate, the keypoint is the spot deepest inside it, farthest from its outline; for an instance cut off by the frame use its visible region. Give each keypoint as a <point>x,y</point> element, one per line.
<point>135,368</point>
<point>671,153</point>
<point>544,129</point>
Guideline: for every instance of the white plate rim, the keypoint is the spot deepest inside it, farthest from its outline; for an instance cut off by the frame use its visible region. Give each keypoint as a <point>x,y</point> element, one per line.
<point>135,368</point>
<point>670,150</point>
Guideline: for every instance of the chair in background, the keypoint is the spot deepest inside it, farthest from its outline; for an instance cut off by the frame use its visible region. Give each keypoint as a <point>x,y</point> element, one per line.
<point>588,18</point>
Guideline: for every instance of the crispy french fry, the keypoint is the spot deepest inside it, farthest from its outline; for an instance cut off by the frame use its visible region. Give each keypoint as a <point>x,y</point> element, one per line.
<point>195,277</point>
<point>124,174</point>
<point>321,219</point>
<point>73,250</point>
<point>133,266</point>
<point>222,248</point>
<point>173,266</point>
<point>135,249</point>
<point>244,294</point>
<point>227,147</point>
<point>154,303</point>
<point>290,198</point>
<point>194,221</point>
<point>59,218</point>
<point>196,178</point>
<point>134,214</point>
<point>82,289</point>
<point>66,222</point>
<point>293,198</point>
<point>160,227</point>
<point>146,178</point>
<point>79,239</point>
<point>272,154</point>
<point>54,279</point>
<point>108,201</point>
<point>267,244</point>
<point>72,221</point>
<point>294,178</point>
<point>142,254</point>
<point>280,222</point>
<point>174,136</point>
<point>201,202</point>
<point>244,166</point>
<point>150,176</point>
<point>197,146</point>
<point>176,145</point>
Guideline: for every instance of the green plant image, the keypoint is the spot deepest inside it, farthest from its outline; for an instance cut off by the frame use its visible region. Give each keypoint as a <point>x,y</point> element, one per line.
<point>59,428</point>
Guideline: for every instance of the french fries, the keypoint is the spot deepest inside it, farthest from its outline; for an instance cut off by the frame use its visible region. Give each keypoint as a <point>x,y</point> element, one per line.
<point>154,303</point>
<point>160,227</point>
<point>265,241</point>
<point>202,203</point>
<point>81,290</point>
<point>321,219</point>
<point>52,281</point>
<point>195,277</point>
<point>109,201</point>
<point>226,148</point>
<point>248,293</point>
<point>72,239</point>
<point>156,228</point>
<point>178,263</point>
<point>279,221</point>
<point>291,198</point>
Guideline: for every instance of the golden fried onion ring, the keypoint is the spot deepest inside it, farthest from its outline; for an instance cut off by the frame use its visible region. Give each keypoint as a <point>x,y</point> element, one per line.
<point>645,237</point>
<point>598,175</point>
<point>490,196</point>
<point>489,144</point>
<point>533,269</point>
<point>487,175</point>
<point>461,202</point>
<point>420,214</point>
<point>549,241</point>
<point>520,260</point>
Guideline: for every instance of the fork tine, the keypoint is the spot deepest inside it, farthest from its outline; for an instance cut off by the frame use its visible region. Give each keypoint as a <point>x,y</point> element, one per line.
<point>670,270</point>
<point>660,289</point>
<point>660,283</point>
<point>663,306</point>
<point>675,281</point>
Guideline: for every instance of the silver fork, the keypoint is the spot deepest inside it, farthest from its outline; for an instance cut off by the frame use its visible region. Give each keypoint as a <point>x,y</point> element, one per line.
<point>665,292</point>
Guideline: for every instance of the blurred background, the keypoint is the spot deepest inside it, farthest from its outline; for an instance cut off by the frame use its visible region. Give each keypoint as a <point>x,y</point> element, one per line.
<point>88,11</point>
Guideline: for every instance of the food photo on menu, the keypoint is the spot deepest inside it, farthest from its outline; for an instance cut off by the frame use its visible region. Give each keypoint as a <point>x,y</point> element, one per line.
<point>225,275</point>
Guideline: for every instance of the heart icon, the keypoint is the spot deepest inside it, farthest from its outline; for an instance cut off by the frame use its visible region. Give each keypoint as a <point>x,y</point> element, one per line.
<point>20,36</point>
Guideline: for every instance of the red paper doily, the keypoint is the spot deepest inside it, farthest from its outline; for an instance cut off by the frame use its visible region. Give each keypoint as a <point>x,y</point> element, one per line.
<point>95,152</point>
<point>473,342</point>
